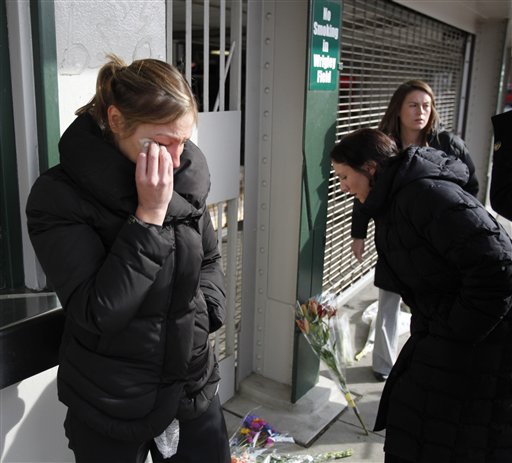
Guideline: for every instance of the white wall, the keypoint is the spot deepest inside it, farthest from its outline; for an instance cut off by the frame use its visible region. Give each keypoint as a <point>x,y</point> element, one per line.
<point>88,31</point>
<point>484,94</point>
<point>465,15</point>
<point>31,426</point>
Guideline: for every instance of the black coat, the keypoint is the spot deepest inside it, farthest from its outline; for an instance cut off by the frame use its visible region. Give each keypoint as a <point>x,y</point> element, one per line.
<point>451,145</point>
<point>449,395</point>
<point>455,148</point>
<point>140,300</point>
<point>500,193</point>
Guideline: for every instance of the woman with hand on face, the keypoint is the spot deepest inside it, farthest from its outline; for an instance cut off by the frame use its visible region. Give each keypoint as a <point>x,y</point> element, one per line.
<point>448,397</point>
<point>123,234</point>
<point>410,119</point>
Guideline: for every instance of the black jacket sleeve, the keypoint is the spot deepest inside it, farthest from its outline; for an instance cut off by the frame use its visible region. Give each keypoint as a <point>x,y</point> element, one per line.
<point>212,276</point>
<point>91,282</point>
<point>501,177</point>
<point>360,220</point>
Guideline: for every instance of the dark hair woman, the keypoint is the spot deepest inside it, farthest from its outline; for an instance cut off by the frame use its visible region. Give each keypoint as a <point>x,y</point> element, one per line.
<point>410,119</point>
<point>123,234</point>
<point>448,396</point>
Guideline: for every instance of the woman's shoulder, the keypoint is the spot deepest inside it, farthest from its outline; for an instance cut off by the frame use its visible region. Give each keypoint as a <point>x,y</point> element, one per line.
<point>446,141</point>
<point>52,192</point>
<point>429,199</point>
<point>439,193</point>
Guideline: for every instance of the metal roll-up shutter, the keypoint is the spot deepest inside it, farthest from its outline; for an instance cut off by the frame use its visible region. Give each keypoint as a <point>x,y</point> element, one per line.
<point>383,45</point>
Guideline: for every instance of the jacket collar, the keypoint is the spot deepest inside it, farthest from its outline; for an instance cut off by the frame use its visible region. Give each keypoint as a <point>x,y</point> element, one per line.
<point>412,164</point>
<point>99,168</point>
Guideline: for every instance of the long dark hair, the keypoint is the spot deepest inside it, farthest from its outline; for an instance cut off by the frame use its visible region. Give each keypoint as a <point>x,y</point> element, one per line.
<point>362,146</point>
<point>146,91</point>
<point>390,123</point>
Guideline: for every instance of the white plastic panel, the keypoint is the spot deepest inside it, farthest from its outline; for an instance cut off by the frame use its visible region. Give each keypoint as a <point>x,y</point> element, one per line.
<point>218,136</point>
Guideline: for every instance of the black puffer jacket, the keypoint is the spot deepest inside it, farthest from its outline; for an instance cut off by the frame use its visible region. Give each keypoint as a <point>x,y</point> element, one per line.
<point>449,396</point>
<point>140,300</point>
<point>454,147</point>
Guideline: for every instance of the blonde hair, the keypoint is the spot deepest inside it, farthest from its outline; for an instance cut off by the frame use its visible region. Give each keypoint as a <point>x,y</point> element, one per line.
<point>390,123</point>
<point>146,91</point>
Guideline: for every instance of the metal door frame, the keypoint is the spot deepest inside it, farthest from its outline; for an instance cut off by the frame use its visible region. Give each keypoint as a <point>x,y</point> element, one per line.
<point>228,99</point>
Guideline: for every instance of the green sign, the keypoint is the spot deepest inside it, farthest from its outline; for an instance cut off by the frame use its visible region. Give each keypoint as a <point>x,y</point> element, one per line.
<point>325,45</point>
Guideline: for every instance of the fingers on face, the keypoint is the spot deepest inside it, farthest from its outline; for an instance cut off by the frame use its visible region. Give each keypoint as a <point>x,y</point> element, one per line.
<point>165,165</point>
<point>155,166</point>
<point>158,162</point>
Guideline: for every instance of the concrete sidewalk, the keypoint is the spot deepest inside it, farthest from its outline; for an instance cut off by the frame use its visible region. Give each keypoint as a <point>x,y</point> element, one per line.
<point>320,421</point>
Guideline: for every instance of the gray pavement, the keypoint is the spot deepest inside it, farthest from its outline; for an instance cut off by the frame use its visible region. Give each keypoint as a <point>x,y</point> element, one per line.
<point>320,421</point>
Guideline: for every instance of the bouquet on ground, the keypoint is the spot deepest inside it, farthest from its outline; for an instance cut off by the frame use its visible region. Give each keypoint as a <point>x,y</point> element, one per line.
<point>318,321</point>
<point>254,437</point>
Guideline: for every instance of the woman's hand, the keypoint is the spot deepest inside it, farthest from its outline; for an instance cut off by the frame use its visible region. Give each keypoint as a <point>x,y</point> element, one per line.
<point>358,248</point>
<point>155,184</point>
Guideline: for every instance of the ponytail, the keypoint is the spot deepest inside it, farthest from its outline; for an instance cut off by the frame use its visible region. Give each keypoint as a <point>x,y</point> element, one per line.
<point>97,107</point>
<point>146,91</point>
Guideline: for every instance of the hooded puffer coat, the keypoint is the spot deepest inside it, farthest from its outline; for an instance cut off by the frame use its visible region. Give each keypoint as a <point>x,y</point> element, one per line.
<point>140,300</point>
<point>445,141</point>
<point>449,395</point>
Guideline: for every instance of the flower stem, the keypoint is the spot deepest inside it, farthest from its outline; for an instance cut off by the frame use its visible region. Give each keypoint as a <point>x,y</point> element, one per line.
<point>348,395</point>
<point>352,404</point>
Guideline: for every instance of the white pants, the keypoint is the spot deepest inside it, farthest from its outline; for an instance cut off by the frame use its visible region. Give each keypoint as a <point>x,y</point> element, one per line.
<point>385,349</point>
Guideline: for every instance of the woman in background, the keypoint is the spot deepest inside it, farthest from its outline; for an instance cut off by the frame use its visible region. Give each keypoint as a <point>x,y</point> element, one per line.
<point>410,119</point>
<point>448,397</point>
<point>123,234</point>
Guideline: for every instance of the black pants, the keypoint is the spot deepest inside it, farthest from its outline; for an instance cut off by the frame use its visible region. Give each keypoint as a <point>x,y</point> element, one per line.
<point>203,439</point>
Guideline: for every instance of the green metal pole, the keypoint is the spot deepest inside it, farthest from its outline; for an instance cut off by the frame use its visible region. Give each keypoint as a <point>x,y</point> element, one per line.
<point>11,257</point>
<point>319,137</point>
<point>46,83</point>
